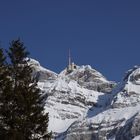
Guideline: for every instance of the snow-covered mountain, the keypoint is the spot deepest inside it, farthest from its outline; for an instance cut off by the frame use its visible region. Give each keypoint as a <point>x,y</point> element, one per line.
<point>84,105</point>
<point>118,121</point>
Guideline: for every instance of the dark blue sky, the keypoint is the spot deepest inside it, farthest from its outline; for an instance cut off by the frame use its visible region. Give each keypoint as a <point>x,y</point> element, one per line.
<point>102,33</point>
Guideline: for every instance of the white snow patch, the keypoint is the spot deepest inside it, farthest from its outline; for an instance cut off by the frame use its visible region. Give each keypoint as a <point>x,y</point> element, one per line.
<point>58,125</point>
<point>137,138</point>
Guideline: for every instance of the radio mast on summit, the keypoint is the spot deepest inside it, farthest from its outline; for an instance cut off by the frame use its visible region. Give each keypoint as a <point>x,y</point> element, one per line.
<point>69,57</point>
<point>71,65</point>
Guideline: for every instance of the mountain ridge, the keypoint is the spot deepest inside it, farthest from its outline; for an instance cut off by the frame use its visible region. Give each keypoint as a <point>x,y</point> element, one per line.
<point>83,104</point>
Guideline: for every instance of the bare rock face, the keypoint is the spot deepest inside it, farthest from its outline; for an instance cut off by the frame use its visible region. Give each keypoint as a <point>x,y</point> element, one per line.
<point>130,130</point>
<point>94,131</point>
<point>104,130</point>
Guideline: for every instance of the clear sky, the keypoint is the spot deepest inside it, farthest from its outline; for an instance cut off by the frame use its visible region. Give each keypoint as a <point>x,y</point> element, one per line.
<point>102,33</point>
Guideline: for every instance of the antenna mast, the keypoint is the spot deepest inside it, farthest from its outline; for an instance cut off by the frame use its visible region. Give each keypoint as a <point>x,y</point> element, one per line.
<point>69,58</point>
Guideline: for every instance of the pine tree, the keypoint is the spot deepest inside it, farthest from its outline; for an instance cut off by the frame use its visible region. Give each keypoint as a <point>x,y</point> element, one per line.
<point>5,86</point>
<point>2,78</point>
<point>23,116</point>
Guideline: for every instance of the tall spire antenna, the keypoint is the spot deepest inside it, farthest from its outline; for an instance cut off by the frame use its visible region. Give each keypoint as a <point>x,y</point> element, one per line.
<point>69,57</point>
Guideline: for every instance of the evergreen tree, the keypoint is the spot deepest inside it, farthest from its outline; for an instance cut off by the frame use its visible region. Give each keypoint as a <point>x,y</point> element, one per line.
<point>2,78</point>
<point>5,87</point>
<point>23,116</point>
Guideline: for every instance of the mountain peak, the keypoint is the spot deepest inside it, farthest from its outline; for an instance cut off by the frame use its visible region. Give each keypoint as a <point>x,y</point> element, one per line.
<point>129,89</point>
<point>135,70</point>
<point>40,72</point>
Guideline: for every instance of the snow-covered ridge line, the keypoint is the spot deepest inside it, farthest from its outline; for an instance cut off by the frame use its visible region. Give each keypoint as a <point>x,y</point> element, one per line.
<point>83,104</point>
